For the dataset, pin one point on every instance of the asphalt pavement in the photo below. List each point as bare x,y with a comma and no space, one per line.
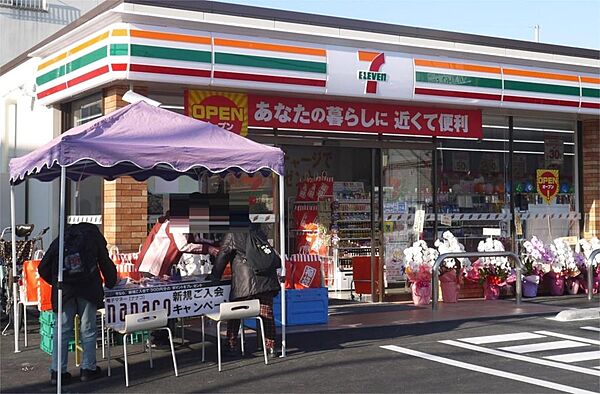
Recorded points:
514,354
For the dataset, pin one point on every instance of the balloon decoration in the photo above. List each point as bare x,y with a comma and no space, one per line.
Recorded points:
564,187
529,188
479,188
499,188
519,188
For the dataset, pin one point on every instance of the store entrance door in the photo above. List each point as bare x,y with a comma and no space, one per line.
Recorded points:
406,177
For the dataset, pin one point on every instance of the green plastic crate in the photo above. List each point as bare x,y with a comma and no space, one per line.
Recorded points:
47,330
47,317
47,344
138,337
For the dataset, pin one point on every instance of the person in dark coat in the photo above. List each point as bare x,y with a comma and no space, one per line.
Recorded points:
83,298
246,285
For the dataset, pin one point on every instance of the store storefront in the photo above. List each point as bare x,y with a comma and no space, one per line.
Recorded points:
385,143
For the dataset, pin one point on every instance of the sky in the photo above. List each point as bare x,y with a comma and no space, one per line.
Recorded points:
574,23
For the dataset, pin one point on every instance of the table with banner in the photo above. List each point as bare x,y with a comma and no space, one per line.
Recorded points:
191,296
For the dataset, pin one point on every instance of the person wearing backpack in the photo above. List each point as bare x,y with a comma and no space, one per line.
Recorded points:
254,265
85,258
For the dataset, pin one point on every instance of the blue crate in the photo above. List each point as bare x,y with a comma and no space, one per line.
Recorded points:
307,306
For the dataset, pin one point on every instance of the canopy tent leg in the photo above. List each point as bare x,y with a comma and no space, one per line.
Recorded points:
61,242
15,285
283,256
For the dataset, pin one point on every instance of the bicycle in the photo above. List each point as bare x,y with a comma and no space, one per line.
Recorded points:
25,251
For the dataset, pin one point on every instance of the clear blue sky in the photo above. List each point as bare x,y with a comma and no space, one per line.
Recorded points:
565,22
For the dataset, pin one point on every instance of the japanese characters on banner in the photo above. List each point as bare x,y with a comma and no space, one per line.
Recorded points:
547,184
300,113
180,300
224,109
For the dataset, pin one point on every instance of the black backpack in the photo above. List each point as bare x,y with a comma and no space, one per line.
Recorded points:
79,261
261,256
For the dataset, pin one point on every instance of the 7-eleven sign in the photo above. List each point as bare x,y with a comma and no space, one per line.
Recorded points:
373,75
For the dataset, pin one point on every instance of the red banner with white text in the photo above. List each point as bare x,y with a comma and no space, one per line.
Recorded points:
300,113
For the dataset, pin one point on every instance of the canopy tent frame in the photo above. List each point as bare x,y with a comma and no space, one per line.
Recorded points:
71,168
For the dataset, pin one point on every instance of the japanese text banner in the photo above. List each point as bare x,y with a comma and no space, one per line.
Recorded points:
279,112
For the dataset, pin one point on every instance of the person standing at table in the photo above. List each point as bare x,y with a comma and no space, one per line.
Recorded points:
85,257
247,283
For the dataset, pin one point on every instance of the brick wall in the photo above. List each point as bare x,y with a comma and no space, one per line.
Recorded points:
591,177
125,200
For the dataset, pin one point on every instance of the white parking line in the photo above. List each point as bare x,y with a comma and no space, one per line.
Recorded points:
519,336
575,357
532,360
486,370
590,328
543,346
571,337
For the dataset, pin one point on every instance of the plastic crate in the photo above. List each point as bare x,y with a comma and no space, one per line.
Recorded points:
47,330
307,306
46,344
138,337
47,317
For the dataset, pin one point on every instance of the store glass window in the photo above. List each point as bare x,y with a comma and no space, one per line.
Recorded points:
473,176
86,193
545,146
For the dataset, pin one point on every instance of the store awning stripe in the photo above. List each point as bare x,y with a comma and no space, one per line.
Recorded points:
590,80
463,80
74,50
270,62
144,68
156,35
450,93
585,104
74,65
75,81
457,66
157,52
119,49
270,47
589,92
539,100
539,74
269,78
541,88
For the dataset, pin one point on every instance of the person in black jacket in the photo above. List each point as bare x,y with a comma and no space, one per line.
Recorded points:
245,285
83,298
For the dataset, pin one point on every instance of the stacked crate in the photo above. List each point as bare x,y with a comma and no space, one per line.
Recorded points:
47,333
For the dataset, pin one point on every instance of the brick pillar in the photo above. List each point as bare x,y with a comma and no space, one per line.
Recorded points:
125,213
591,177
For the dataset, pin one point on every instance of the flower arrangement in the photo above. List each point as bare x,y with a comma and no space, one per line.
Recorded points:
536,257
564,260
493,270
449,244
419,261
587,248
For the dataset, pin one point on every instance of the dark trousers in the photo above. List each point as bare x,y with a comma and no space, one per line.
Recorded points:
266,313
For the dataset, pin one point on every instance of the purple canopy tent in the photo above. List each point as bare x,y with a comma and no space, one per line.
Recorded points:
141,141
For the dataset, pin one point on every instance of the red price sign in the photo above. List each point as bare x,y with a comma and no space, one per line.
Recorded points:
547,184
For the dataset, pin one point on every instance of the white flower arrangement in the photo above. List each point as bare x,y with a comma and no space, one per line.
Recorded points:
589,246
419,261
449,244
564,259
493,245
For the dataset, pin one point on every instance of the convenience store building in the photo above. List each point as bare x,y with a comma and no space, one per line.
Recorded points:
451,128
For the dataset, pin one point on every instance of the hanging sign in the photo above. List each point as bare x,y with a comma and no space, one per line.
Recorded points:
460,162
547,184
553,151
358,117
224,109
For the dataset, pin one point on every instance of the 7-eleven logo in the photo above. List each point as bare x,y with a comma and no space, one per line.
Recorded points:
373,75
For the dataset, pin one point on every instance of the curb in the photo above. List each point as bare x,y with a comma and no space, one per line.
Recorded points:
578,314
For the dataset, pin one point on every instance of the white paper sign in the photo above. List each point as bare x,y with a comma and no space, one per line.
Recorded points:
419,221
553,151
446,220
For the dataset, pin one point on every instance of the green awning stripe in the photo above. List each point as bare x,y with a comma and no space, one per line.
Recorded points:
74,65
270,62
459,80
188,55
